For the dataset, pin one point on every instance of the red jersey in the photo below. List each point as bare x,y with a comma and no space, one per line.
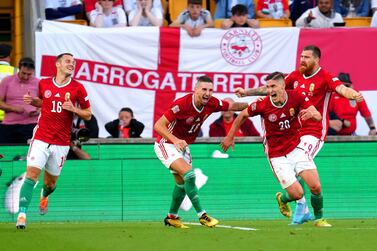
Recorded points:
280,124
318,87
185,119
54,123
348,109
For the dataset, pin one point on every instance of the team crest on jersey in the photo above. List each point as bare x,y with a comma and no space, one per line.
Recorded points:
292,111
189,120
241,46
295,84
47,94
175,109
353,103
311,87
272,117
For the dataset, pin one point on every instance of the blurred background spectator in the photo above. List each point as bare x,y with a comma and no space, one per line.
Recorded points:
298,7
273,9
145,14
5,68
125,126
20,118
106,15
239,18
224,8
130,5
374,20
343,112
90,5
321,16
352,8
62,9
194,19
222,125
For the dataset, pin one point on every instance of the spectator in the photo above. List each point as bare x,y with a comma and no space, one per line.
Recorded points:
298,7
82,131
373,6
62,10
5,68
239,18
126,126
130,5
345,111
194,19
90,5
105,15
352,8
145,14
374,20
321,16
222,125
20,118
224,8
275,9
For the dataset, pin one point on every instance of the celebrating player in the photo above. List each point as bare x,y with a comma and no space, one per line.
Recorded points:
51,140
178,128
317,84
280,111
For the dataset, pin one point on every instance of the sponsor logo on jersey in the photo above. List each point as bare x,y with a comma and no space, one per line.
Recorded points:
302,86
175,109
47,94
283,115
241,46
57,95
292,112
272,117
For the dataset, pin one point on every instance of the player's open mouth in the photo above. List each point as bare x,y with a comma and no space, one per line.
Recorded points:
274,95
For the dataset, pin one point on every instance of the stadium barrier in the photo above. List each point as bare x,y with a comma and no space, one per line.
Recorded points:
126,182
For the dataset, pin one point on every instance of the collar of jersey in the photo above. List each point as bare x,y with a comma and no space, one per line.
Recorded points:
306,77
60,86
193,104
280,106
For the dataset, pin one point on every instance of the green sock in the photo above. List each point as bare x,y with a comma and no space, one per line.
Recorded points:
192,191
178,196
26,194
317,204
46,191
285,197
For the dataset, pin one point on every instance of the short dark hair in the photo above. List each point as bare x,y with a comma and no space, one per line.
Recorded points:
345,77
5,50
27,63
205,78
315,49
63,54
127,109
195,2
276,75
239,9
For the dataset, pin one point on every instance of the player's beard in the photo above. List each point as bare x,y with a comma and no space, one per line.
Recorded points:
306,69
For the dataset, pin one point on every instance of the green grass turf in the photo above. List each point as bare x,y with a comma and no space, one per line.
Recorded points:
271,235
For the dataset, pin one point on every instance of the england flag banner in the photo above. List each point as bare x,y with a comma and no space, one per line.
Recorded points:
146,68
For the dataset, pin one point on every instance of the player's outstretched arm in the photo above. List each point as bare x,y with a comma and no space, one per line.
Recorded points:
229,139
237,106
349,93
161,127
260,91
310,113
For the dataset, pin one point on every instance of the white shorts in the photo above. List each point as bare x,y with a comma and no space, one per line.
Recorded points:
311,145
287,167
167,154
51,157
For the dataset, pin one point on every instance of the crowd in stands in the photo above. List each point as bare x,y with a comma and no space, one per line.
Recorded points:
194,15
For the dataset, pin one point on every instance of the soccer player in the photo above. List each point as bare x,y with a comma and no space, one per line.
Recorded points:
280,111
50,144
179,127
317,84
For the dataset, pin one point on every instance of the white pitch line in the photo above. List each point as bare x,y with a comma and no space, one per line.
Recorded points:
224,226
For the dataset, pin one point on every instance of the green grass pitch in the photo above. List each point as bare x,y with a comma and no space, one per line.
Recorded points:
139,236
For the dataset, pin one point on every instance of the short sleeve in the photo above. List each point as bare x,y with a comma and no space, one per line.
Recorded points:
254,108
332,82
83,98
289,81
174,110
220,105
3,87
